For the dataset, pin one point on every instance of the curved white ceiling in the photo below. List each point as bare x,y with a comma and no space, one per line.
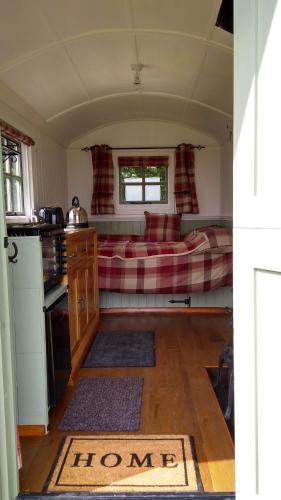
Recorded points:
71,62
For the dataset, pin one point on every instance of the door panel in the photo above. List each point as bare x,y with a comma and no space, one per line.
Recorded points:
257,291
257,86
257,246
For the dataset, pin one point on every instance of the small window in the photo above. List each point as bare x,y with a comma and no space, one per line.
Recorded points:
143,184
13,176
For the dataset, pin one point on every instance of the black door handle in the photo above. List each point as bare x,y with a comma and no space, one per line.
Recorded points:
12,258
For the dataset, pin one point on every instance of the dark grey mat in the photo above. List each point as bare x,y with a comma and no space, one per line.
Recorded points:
106,404
121,349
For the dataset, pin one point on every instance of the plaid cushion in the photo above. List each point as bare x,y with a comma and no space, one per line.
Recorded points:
217,236
162,227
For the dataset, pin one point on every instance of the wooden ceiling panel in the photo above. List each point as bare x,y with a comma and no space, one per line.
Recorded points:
96,114
188,16
47,83
162,108
23,29
222,37
105,67
80,121
208,120
171,63
215,85
72,18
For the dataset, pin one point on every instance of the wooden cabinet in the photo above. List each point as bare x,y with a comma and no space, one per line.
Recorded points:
83,296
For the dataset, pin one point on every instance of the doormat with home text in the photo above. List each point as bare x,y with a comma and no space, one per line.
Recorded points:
125,464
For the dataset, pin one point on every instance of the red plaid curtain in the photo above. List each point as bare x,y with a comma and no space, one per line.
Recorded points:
14,133
140,161
103,180
185,191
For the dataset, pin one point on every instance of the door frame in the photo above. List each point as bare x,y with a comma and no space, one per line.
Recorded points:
8,448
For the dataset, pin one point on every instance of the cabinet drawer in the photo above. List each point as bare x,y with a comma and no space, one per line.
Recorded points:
72,254
91,246
82,248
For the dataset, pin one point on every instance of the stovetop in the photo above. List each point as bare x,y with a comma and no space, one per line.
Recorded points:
32,229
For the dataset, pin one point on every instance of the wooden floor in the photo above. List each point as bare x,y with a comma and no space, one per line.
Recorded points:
177,399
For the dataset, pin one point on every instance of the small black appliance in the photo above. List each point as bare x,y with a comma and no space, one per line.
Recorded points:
51,215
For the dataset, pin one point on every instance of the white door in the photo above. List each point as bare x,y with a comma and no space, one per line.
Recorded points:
257,247
8,456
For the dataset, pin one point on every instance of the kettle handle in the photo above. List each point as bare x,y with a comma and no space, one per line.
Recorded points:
75,201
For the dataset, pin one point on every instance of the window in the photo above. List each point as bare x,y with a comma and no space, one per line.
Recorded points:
13,176
143,180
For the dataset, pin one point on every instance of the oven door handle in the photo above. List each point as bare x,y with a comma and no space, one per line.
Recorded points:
12,258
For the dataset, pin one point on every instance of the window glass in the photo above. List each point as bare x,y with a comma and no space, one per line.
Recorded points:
146,184
13,177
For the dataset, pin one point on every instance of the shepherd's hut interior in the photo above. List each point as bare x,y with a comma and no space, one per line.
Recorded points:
116,138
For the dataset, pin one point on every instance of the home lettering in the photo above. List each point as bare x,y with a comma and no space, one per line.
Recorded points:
137,462
87,461
114,460
168,460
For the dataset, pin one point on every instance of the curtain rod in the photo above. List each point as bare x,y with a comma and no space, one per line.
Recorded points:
87,148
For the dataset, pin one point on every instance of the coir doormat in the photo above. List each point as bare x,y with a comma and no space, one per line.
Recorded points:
126,464
122,349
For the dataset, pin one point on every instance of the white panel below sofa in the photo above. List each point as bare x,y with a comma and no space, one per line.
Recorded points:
222,297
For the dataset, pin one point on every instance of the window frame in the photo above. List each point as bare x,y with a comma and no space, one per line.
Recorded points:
27,184
135,211
17,147
143,185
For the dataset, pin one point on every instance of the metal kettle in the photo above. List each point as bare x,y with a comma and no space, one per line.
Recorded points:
76,216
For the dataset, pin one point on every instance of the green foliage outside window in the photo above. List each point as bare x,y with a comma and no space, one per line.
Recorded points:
147,184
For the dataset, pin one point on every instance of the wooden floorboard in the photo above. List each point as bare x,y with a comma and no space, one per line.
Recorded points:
177,399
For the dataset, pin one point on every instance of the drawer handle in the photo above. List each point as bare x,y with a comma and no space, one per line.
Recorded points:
73,254
81,303
84,250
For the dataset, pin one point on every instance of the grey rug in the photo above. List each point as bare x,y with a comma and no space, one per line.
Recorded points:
104,404
122,349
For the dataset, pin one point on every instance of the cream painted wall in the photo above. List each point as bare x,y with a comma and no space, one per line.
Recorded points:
48,158
148,133
227,179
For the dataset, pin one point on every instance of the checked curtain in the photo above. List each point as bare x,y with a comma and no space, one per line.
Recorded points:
185,190
14,133
103,180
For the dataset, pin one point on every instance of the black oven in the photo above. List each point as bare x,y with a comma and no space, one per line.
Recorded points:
51,236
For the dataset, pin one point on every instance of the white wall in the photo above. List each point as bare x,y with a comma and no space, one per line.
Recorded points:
147,133
48,158
227,180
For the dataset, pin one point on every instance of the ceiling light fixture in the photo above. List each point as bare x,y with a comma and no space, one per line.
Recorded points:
137,69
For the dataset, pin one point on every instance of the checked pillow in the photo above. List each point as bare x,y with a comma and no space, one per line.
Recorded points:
162,227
